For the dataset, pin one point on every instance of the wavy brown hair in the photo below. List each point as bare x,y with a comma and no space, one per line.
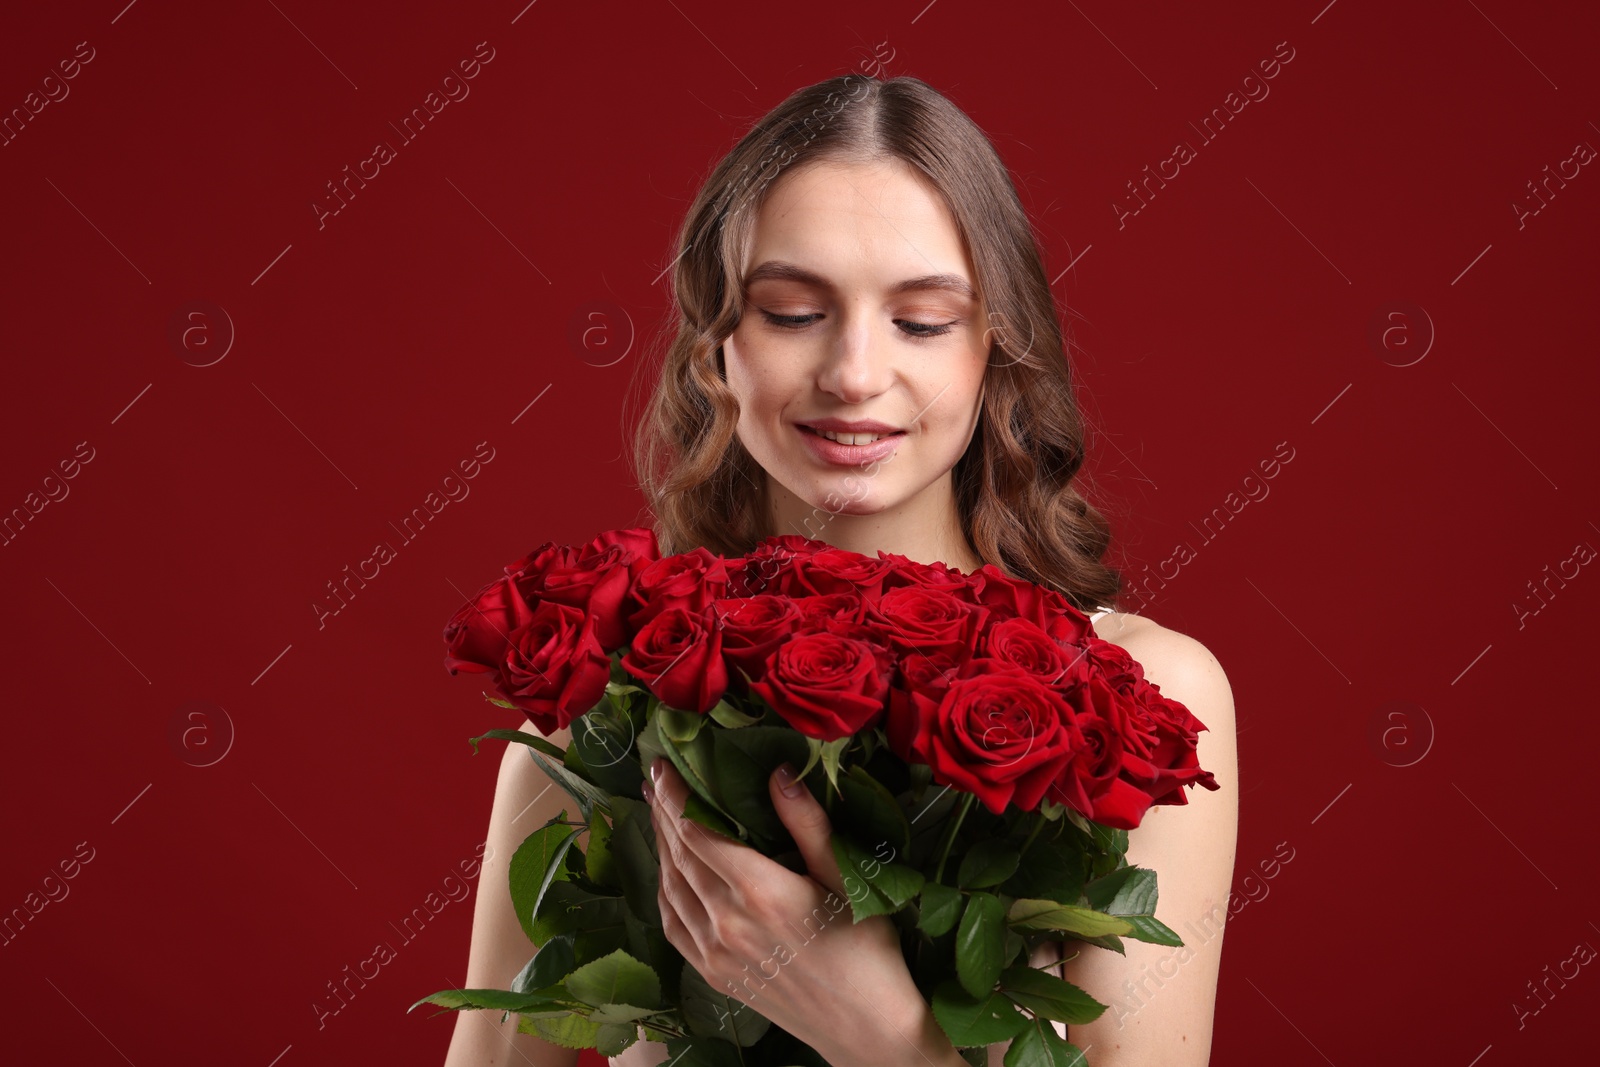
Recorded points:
1014,486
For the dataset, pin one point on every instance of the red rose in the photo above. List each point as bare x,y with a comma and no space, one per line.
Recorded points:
533,566
904,571
596,582
1091,784
999,733
769,567
477,634
1162,738
752,628
930,675
825,685
837,570
554,668
1012,597
678,657
828,612
638,543
689,580
1069,628
1122,671
922,619
1142,752
1024,644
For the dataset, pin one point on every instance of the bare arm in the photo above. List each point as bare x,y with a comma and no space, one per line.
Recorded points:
1161,1000
524,799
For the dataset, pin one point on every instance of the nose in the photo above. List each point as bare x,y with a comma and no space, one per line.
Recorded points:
855,367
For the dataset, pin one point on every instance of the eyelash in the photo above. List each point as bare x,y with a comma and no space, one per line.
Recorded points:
928,331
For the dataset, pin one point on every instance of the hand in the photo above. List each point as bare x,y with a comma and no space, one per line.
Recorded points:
783,942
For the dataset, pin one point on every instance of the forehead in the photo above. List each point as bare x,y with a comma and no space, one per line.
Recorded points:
858,221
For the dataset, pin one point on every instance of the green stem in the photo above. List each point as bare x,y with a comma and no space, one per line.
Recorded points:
1037,826
950,834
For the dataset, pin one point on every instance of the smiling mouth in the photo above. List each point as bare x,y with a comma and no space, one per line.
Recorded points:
851,438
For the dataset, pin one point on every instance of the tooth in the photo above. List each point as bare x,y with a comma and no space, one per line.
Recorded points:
852,438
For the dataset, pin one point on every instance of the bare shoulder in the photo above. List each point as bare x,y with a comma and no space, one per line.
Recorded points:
1177,664
1192,847
524,799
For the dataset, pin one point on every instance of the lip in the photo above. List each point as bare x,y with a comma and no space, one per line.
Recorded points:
848,455
851,426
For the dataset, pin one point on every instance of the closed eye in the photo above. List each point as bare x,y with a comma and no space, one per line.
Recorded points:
913,329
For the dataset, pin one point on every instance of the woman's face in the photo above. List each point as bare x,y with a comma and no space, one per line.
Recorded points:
860,305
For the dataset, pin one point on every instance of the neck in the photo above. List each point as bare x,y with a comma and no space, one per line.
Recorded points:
926,528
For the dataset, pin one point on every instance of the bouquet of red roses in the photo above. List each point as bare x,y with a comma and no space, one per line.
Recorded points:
980,752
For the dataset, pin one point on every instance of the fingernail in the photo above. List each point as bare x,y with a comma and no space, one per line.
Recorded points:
786,780
649,794
655,769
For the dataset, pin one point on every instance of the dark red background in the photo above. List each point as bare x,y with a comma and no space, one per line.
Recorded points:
1233,313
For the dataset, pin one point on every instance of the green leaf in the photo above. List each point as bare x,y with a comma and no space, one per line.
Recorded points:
1050,915
731,717
604,739
535,865
832,753
596,922
500,999
696,762
568,1031
1113,844
1110,942
702,1052
1051,869
768,745
710,1012
1128,891
742,785
613,1038
969,1020
980,943
679,726
633,852
1044,994
744,761
616,979
598,863
865,900
549,966
814,758
873,813
620,1013
1040,1046
895,882
531,740
941,907
989,862
1151,929
578,788
1131,894
697,810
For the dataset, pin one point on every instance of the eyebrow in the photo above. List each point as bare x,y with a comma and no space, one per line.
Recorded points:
774,269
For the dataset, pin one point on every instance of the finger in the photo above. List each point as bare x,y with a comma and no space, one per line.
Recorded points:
675,929
687,891
715,857
808,823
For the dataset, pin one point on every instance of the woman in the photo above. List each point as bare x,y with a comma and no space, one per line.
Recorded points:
869,355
